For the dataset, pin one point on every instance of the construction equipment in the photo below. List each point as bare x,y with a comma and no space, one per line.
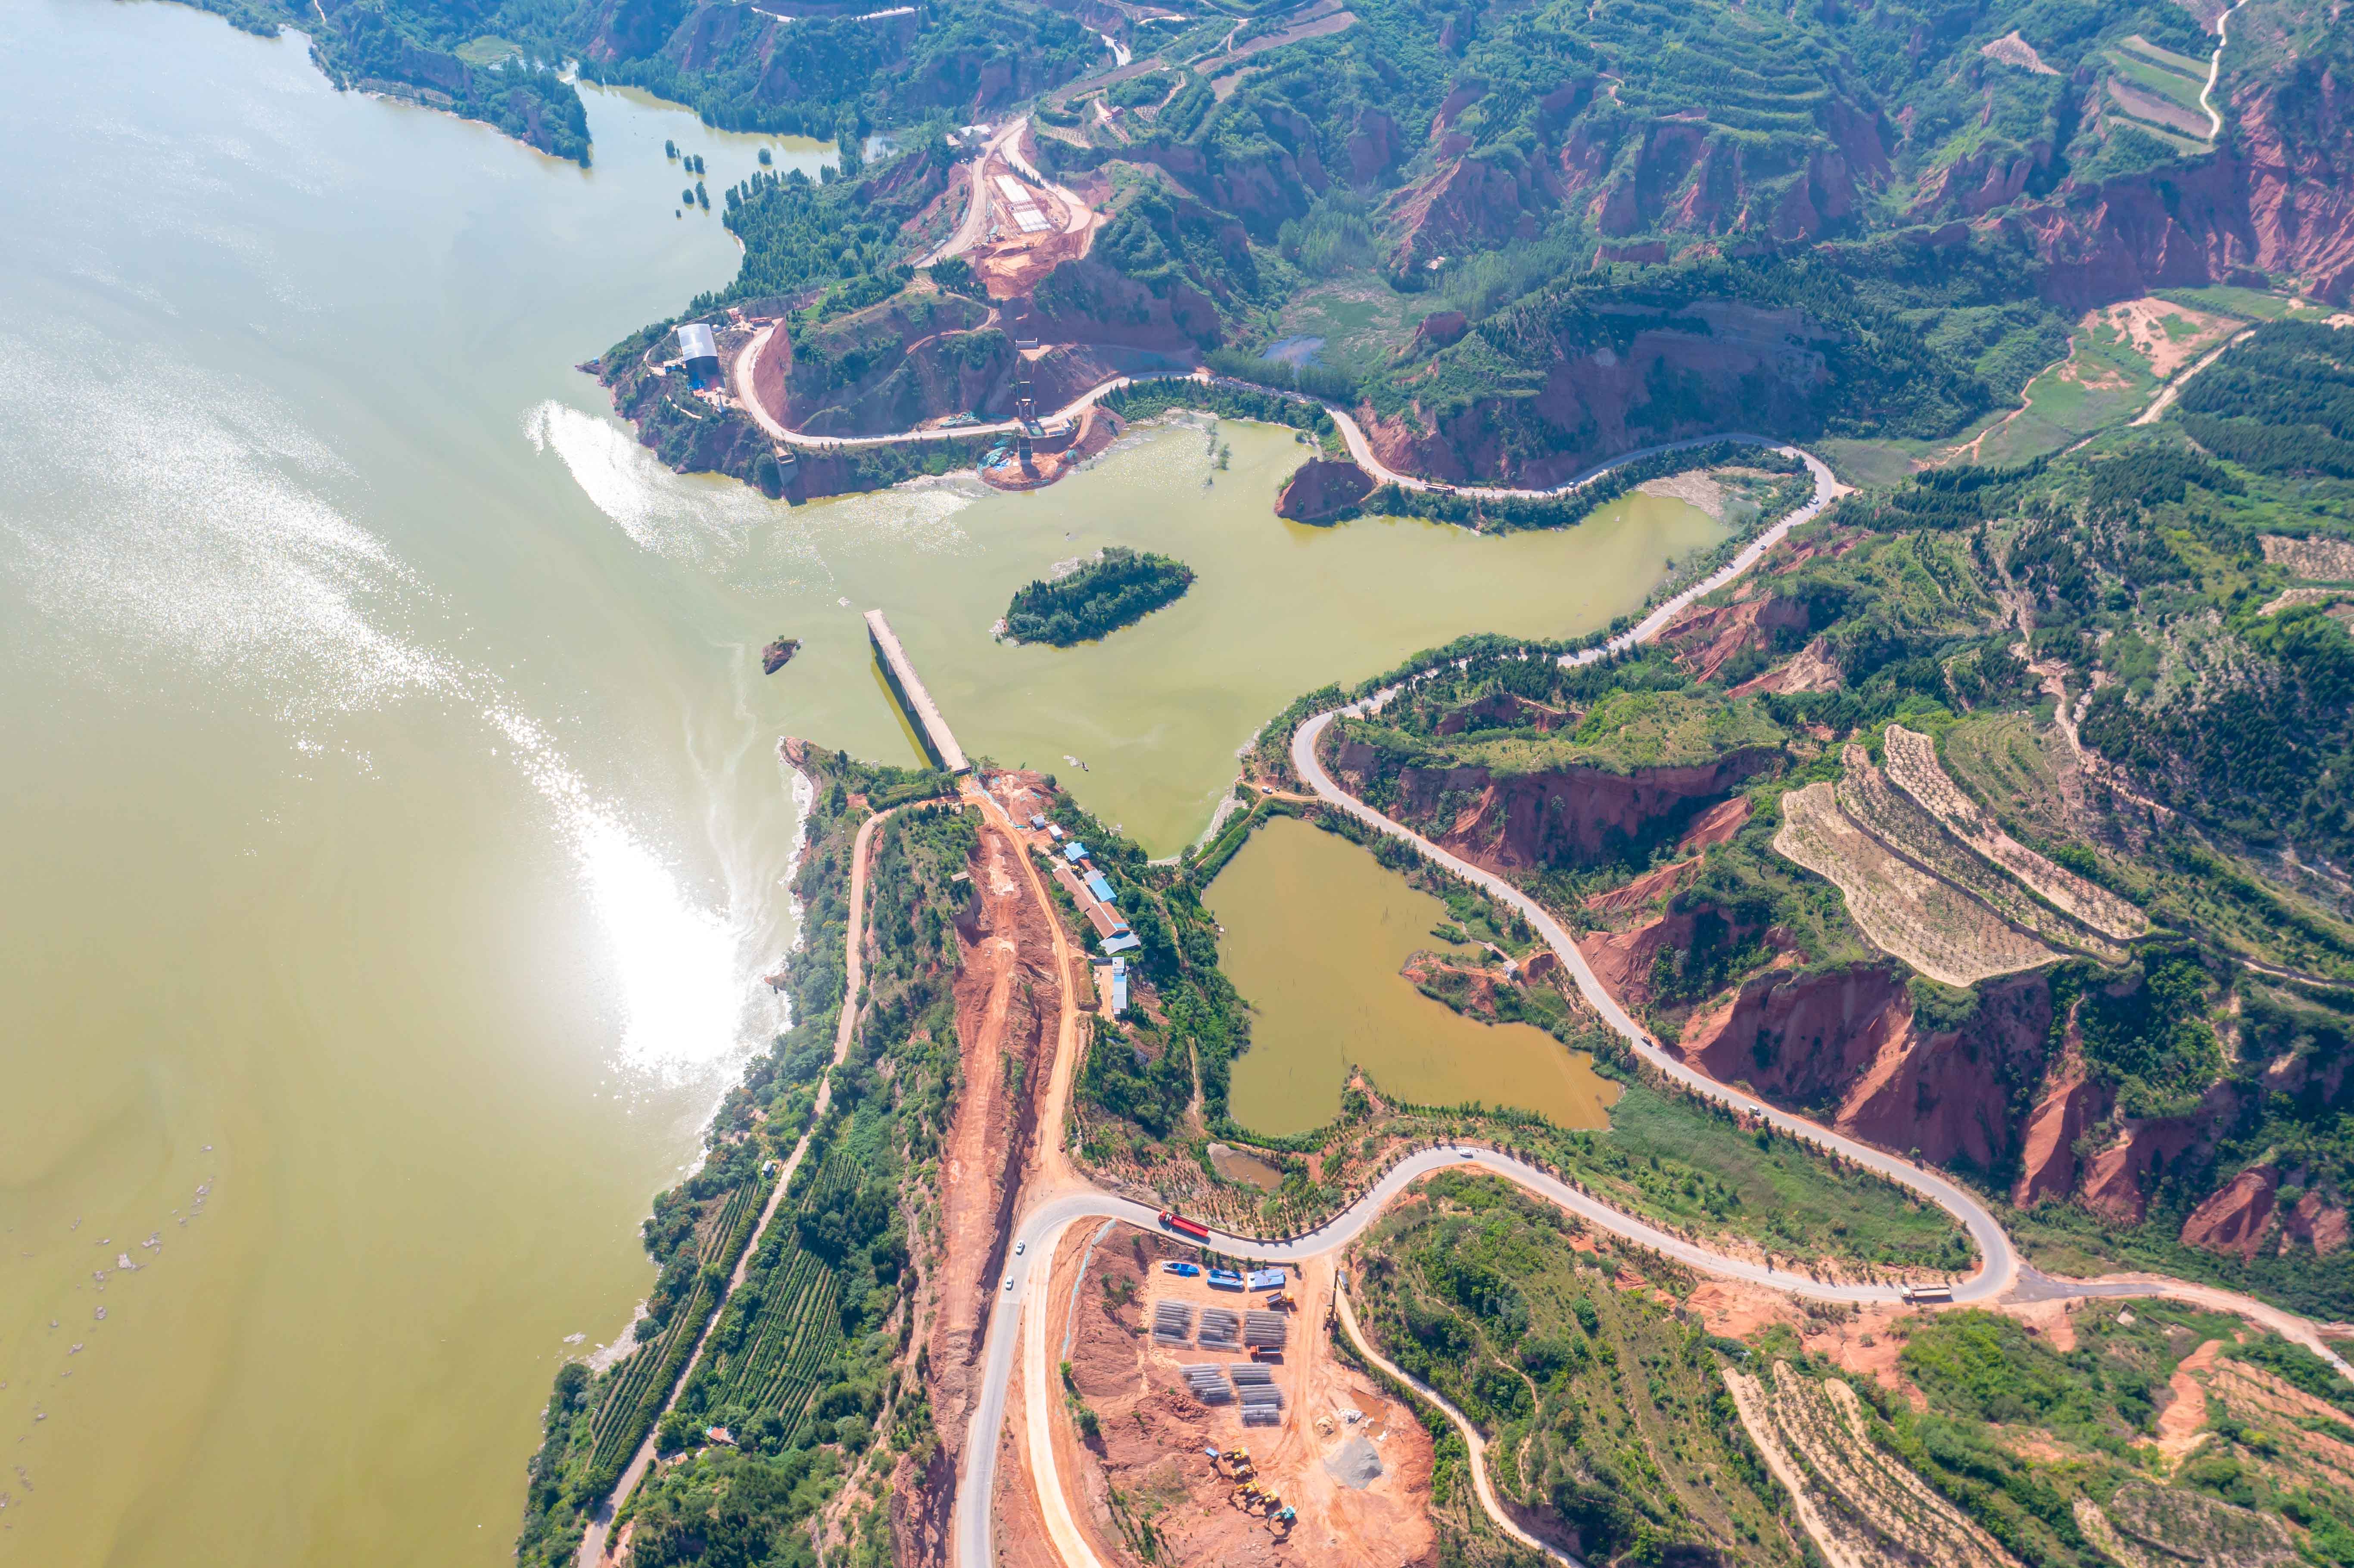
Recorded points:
1266,1353
1283,1519
1281,1302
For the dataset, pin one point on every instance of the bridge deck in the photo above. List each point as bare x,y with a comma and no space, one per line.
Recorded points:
929,725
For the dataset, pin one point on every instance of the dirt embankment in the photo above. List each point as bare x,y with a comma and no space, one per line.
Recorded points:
1570,815
1707,638
1008,1001
1749,369
1145,1470
2276,199
1323,491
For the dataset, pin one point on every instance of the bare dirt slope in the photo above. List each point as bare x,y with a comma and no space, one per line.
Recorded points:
1008,1002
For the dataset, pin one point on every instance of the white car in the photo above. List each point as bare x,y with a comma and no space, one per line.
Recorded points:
1008,1282
1020,1247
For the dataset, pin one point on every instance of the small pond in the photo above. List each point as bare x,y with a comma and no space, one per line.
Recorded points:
1315,931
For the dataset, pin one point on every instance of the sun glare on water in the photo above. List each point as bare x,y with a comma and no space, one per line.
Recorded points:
676,965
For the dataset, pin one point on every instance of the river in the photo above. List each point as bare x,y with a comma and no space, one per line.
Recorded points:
392,824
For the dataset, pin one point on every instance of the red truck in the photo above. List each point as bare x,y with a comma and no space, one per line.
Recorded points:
1183,1226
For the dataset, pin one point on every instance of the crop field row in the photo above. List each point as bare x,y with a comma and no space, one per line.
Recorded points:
641,1387
1901,825
1936,929
1861,1504
798,1328
638,1394
776,1360
1913,767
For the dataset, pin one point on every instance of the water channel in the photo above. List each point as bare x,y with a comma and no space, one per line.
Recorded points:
1315,931
392,823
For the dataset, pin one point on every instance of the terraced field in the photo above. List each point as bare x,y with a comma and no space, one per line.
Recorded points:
1930,924
1913,767
636,1395
1901,824
786,1323
1861,1505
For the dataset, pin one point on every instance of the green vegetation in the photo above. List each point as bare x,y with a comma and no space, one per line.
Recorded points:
1604,1413
2094,1414
801,1366
2280,402
823,77
1119,587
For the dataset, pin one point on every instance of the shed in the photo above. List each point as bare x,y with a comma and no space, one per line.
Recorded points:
700,349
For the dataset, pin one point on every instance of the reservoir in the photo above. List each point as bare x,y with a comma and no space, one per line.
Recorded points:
392,823
1315,933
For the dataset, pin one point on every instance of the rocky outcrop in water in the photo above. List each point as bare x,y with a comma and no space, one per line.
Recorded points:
1321,492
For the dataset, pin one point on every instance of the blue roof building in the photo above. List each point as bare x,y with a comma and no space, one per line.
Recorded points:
1074,852
1118,987
1126,942
1100,885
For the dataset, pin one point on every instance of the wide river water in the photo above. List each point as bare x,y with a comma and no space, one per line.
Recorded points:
391,822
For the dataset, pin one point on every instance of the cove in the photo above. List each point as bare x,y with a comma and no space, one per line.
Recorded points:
1315,932
1157,710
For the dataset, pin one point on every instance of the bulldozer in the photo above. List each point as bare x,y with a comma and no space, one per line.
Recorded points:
1234,1464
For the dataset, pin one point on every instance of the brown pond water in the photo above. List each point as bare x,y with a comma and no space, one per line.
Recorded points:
1315,932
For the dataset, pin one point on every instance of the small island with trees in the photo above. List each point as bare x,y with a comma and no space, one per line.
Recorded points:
1119,586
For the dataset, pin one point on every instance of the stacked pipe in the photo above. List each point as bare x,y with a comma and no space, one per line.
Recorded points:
1251,1375
1209,1385
1172,1323
1262,1329
1220,1327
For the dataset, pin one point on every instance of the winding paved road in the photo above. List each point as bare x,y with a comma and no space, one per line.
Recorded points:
1061,1200
2001,1270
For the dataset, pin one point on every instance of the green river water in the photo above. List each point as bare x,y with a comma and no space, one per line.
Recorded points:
392,828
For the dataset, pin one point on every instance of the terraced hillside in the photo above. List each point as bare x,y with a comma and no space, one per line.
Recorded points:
2035,881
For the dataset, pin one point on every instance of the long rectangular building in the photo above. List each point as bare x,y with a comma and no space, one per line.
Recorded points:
930,728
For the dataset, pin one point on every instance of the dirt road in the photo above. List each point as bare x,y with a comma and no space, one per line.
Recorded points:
592,1543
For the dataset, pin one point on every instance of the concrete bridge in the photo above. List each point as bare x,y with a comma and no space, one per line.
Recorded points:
908,687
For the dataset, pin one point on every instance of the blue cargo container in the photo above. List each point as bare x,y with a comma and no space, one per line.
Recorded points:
1225,1280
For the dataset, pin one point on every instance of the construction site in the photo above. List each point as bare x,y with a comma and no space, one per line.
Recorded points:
1014,226
1206,1416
